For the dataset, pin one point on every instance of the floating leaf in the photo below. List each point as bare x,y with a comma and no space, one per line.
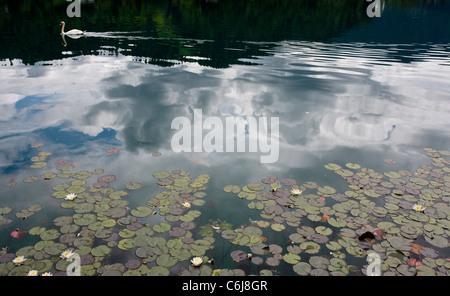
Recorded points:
232,188
353,166
238,255
323,230
256,186
38,165
310,247
30,179
393,175
100,251
271,261
277,227
161,227
141,212
302,268
126,244
161,174
332,166
291,258
133,185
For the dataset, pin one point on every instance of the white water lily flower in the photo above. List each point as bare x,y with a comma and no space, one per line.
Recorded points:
296,192
70,196
47,274
32,273
19,260
418,208
66,254
186,204
197,261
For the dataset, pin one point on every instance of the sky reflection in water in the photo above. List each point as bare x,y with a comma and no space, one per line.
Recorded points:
338,101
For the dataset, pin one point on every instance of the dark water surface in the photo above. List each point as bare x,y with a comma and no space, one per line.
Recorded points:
346,88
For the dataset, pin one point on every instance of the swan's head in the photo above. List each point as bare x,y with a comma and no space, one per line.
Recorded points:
61,23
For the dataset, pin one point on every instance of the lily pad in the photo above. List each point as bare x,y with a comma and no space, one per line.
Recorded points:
161,174
100,251
291,258
310,247
133,185
141,212
166,260
238,255
323,230
277,227
302,268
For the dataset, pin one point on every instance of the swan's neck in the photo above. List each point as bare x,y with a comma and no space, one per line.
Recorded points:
62,28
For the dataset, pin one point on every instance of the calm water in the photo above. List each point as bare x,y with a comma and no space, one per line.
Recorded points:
345,87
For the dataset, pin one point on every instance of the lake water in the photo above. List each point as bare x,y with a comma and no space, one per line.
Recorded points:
345,88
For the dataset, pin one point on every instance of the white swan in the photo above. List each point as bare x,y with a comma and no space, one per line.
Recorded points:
71,32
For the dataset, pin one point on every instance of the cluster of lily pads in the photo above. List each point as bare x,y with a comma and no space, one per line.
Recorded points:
403,217
303,228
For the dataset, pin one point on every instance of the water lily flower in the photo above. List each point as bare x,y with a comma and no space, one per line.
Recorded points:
418,208
186,204
296,191
19,260
18,234
66,254
32,273
47,274
197,261
70,196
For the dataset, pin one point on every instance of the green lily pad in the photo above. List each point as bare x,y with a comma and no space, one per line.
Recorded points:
161,227
160,174
100,251
278,227
323,230
84,219
326,190
353,166
319,262
50,234
55,248
109,222
84,207
393,175
229,234
116,212
310,247
36,230
291,258
337,222
133,185
72,228
38,165
232,188
141,212
126,233
126,244
158,271
302,268
256,186
166,260
332,166
438,241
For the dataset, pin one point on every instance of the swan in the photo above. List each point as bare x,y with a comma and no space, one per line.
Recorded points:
71,32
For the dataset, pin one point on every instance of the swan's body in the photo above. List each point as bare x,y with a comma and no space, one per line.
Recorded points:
71,32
